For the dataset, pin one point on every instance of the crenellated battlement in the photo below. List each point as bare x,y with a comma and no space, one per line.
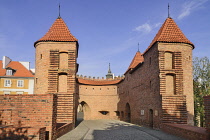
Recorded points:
100,78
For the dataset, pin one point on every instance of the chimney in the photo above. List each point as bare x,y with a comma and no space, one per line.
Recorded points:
6,60
25,64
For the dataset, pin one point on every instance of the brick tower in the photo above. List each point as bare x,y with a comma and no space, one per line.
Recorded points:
175,73
56,67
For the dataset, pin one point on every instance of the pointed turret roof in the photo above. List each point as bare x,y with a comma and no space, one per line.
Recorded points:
171,33
109,71
58,32
109,74
138,58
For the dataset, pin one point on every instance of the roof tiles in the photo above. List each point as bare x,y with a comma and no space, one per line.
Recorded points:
138,58
58,32
169,32
98,82
21,71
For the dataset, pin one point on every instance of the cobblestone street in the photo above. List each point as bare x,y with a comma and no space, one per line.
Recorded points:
114,130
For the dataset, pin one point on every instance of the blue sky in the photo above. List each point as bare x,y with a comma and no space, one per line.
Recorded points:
108,30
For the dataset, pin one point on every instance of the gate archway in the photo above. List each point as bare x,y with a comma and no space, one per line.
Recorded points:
83,111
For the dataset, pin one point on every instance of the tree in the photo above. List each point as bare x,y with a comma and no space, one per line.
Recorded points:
201,87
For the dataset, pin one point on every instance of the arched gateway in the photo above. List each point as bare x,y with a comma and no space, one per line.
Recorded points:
160,78
83,111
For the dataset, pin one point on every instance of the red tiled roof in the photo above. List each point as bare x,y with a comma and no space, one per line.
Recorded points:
98,82
138,58
58,32
169,32
21,71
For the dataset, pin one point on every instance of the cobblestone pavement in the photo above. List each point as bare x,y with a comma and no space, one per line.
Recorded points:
114,130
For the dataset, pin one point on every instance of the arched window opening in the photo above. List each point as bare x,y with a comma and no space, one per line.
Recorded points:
170,84
169,60
62,82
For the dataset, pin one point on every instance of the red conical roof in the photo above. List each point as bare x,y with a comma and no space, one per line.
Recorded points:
138,58
58,32
170,32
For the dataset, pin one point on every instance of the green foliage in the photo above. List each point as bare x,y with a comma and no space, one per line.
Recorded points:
201,86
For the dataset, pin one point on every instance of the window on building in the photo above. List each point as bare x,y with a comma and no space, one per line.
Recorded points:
6,92
9,72
104,112
150,84
19,92
20,83
142,112
150,60
7,83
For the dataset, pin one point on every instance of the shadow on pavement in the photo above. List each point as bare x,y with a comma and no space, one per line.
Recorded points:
119,131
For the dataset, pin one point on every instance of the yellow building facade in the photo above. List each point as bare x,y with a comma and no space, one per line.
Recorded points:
15,77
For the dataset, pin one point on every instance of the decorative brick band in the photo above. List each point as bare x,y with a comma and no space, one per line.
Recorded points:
174,109
177,71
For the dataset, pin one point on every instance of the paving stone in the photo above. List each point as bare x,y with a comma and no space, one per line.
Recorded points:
114,130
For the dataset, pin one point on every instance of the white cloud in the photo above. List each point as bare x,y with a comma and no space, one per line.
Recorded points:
157,25
144,28
190,6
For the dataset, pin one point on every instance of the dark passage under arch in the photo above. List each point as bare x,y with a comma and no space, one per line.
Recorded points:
83,112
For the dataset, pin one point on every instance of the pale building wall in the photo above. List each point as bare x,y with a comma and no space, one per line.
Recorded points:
27,88
99,98
31,86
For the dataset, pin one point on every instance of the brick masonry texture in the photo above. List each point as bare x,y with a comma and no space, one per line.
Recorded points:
29,111
64,129
141,97
144,88
60,77
207,112
156,89
182,71
18,132
95,99
186,131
